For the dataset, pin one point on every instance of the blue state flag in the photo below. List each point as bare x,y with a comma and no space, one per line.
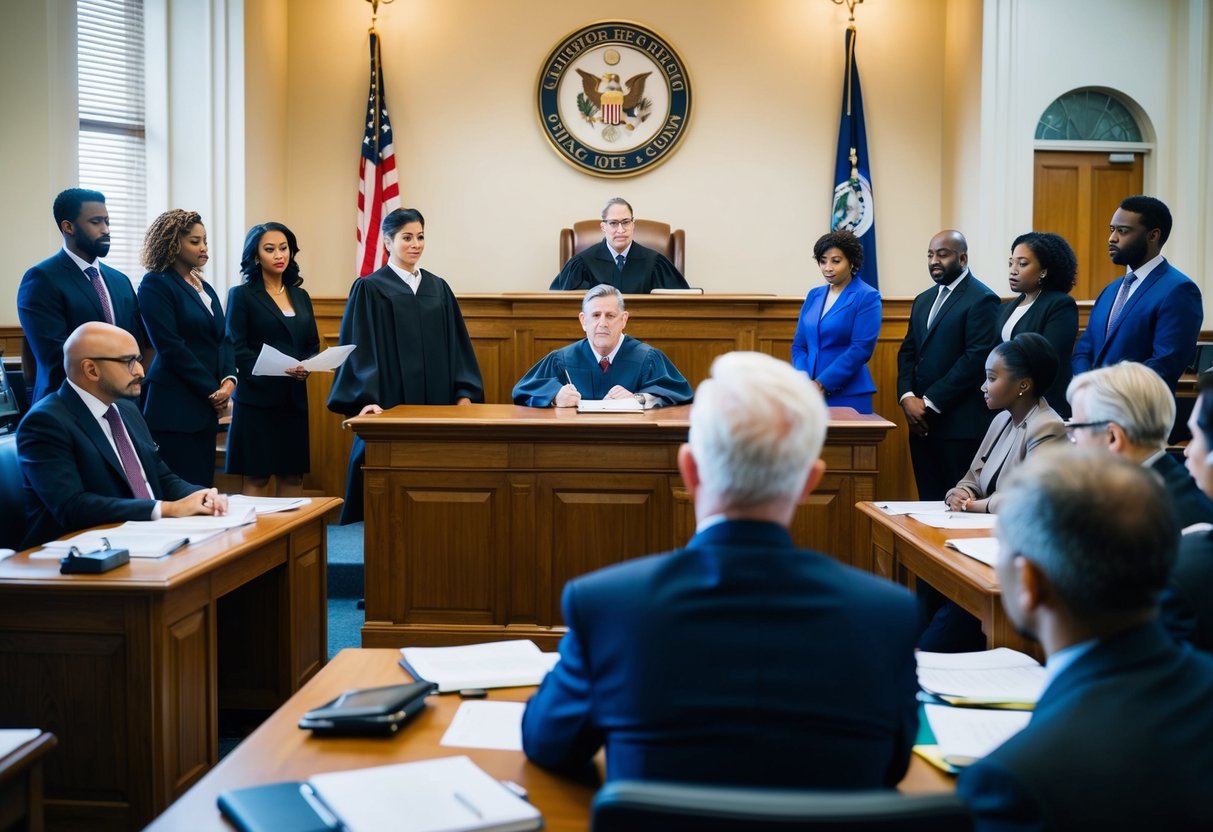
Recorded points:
853,209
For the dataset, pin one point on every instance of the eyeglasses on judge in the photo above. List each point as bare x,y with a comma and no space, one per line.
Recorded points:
617,224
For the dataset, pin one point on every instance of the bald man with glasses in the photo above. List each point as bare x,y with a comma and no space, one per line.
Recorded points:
618,260
86,454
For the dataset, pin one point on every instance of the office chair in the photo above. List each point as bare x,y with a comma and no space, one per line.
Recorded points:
636,806
12,496
649,233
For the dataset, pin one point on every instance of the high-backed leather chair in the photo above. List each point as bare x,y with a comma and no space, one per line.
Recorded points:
649,233
12,496
635,806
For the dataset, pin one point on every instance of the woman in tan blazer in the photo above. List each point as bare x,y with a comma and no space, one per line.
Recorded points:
1017,374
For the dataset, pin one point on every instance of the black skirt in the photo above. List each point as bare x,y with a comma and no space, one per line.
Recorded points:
265,441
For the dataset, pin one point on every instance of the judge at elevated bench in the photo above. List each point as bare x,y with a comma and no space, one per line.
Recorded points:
606,365
618,261
1122,737
740,658
86,454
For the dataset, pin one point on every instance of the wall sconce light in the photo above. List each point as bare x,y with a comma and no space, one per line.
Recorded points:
850,4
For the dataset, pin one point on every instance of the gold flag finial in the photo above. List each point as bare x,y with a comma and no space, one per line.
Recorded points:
851,4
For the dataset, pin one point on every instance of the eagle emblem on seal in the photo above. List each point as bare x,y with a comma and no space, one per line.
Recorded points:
604,100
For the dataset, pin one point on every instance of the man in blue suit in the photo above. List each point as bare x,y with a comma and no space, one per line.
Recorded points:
1152,314
738,659
86,454
73,287
1122,737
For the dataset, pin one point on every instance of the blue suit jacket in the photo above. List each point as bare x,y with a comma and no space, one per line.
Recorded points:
54,298
739,659
834,350
1121,739
1159,326
193,355
73,478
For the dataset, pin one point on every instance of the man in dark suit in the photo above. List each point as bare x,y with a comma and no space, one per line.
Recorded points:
941,367
1152,314
86,454
1128,410
617,260
740,658
73,287
1122,737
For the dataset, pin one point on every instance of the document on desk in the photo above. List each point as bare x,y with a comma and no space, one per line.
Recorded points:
965,735
13,738
140,542
272,362
443,795
912,506
984,549
628,405
986,677
241,503
486,724
498,664
956,520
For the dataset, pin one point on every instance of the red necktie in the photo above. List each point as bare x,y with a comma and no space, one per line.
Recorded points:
605,364
126,453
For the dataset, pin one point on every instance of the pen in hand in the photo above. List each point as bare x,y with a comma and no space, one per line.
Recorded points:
570,379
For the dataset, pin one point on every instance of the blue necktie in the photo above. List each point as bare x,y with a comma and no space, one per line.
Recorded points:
1121,297
619,261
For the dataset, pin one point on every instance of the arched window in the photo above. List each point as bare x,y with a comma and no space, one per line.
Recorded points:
1088,115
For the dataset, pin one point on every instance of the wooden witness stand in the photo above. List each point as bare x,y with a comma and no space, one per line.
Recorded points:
477,516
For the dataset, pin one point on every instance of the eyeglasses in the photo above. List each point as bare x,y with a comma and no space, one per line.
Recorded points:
614,225
129,360
1073,426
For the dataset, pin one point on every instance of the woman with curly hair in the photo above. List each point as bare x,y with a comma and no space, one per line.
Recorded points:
838,325
269,435
193,374
1042,272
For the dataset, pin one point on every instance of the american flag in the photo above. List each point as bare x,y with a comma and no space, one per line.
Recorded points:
378,190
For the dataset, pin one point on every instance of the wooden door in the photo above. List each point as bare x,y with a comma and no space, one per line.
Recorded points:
1075,195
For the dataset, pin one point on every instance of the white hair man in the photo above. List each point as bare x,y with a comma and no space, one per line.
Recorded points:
722,662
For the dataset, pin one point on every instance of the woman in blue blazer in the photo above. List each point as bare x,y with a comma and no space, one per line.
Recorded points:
193,374
1041,273
838,325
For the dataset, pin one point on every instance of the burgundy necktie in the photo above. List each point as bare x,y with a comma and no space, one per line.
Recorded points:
94,277
605,364
126,453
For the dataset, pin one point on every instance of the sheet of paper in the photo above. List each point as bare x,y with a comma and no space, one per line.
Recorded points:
486,724
263,505
629,405
984,549
242,516
968,734
13,738
999,675
330,359
956,520
911,506
273,362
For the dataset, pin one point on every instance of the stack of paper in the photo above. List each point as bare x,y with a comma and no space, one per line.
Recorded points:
242,504
628,405
912,506
499,664
990,677
965,735
956,520
272,362
148,538
450,793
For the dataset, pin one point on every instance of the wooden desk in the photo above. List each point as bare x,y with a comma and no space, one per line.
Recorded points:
21,785
477,516
904,550
279,751
130,668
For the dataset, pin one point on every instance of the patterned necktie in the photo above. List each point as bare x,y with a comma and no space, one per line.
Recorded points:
939,299
605,364
94,277
126,453
1121,297
619,261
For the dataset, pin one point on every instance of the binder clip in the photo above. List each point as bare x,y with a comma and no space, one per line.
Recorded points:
93,563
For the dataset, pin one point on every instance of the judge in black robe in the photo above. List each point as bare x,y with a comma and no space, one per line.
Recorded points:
413,348
643,271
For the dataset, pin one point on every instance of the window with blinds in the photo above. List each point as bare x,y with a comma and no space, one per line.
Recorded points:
113,152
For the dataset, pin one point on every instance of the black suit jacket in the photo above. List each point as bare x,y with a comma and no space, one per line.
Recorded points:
253,320
643,271
54,298
1191,505
1120,740
946,363
73,478
193,355
1055,316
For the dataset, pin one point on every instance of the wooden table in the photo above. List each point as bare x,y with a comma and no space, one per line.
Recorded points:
130,669
477,516
904,550
279,751
21,785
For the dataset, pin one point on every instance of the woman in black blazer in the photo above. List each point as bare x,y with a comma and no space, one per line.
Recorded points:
1042,269
269,435
193,374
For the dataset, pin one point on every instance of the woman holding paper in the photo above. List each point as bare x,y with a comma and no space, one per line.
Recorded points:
269,435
